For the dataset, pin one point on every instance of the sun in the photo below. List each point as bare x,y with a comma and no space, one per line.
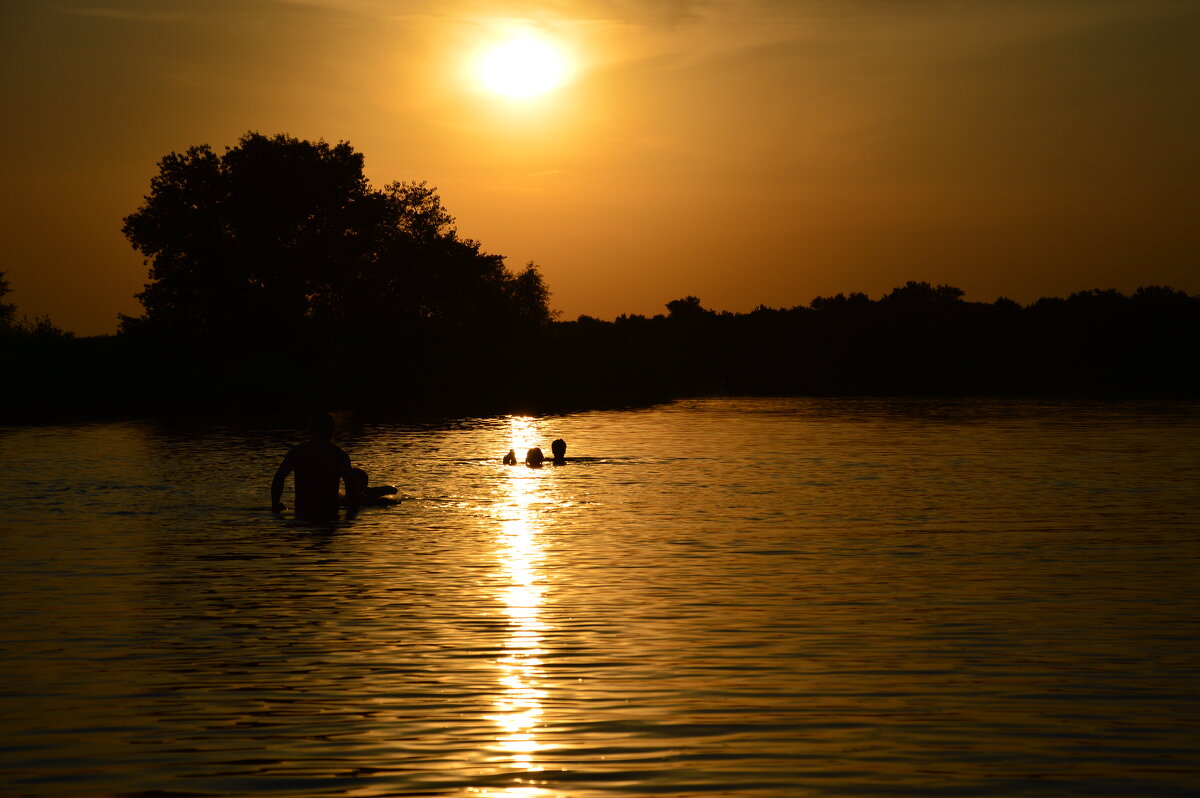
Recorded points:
523,66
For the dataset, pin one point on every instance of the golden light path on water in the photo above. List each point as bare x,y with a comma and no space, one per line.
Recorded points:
518,710
875,598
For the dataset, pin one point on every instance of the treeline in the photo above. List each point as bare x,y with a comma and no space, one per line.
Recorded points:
918,339
31,351
279,279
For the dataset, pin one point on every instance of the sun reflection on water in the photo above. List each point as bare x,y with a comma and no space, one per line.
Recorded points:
518,708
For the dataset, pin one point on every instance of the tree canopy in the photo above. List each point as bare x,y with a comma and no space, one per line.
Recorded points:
919,338
281,238
8,310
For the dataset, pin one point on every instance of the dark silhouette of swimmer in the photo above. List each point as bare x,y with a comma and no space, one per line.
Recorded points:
559,449
534,458
510,458
318,466
359,494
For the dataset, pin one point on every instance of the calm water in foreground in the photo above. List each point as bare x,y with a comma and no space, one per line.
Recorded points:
729,597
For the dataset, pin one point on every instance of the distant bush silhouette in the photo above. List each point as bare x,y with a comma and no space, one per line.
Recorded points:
39,327
916,339
8,310
687,308
40,365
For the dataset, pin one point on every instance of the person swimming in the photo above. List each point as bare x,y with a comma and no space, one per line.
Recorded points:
318,466
510,458
360,494
559,449
534,458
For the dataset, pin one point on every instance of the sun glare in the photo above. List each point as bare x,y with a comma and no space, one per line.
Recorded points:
523,66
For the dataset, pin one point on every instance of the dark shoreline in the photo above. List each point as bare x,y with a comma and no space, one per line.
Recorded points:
432,410
918,341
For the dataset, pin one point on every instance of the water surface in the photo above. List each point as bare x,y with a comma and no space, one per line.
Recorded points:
751,597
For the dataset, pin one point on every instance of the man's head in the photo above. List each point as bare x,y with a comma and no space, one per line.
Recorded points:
559,449
321,426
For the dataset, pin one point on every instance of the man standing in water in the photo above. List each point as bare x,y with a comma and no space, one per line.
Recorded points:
318,465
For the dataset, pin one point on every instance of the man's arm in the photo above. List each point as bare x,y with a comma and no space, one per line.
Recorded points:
281,473
351,496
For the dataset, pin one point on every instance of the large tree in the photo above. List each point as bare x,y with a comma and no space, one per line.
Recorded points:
285,238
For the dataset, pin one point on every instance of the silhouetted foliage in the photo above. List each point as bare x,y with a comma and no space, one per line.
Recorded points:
916,339
11,328
279,277
40,365
282,236
8,310
687,308
278,254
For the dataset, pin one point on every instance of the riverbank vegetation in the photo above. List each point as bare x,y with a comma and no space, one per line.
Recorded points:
917,339
279,279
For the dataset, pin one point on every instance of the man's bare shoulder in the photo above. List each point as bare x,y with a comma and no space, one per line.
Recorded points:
318,449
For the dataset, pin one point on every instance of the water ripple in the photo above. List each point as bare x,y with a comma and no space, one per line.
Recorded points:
722,597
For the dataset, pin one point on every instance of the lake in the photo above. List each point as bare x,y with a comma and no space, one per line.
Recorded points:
725,597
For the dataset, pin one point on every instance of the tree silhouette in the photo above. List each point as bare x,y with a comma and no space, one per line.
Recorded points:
284,239
922,295
8,310
687,308
39,327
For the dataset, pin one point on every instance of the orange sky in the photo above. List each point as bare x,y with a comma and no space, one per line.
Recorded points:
747,152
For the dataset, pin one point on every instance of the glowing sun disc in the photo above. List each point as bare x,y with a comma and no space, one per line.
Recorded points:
524,66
